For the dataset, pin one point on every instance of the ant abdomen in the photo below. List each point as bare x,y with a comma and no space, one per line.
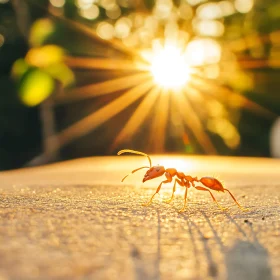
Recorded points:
212,183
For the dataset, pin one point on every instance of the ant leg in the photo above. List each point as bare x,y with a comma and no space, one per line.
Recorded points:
158,189
185,200
204,189
242,208
174,189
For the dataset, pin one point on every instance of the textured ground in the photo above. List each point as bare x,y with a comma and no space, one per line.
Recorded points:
75,220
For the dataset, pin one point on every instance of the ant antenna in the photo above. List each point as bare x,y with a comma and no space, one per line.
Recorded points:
135,152
138,153
134,171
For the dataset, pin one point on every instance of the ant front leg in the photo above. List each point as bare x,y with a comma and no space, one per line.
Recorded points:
169,179
185,201
174,189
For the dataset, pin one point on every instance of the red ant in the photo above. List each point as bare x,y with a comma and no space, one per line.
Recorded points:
182,179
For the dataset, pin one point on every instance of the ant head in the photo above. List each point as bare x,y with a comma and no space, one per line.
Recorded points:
154,172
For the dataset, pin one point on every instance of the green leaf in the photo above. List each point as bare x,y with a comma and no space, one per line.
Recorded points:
61,73
45,56
40,31
35,87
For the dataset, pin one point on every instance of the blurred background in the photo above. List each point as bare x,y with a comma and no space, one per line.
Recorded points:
89,77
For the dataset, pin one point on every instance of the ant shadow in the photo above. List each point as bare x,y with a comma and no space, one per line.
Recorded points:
248,260
192,227
245,260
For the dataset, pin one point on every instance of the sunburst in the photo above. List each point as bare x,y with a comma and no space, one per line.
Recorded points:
186,76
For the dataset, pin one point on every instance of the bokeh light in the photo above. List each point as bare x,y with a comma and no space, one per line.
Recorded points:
122,27
91,12
105,30
209,11
84,4
57,3
113,12
243,6
211,28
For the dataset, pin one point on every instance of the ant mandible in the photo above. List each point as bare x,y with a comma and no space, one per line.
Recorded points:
183,180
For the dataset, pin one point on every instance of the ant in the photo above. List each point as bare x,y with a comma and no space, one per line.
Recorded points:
183,180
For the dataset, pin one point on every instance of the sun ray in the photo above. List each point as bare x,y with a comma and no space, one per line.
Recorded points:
198,101
105,63
102,88
159,123
212,105
193,122
138,117
89,123
237,99
215,116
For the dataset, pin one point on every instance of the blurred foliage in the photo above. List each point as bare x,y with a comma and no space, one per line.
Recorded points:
33,46
36,74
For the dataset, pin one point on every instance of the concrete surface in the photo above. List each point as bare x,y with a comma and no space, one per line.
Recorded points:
75,220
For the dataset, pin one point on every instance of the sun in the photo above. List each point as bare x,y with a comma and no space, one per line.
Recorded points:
169,68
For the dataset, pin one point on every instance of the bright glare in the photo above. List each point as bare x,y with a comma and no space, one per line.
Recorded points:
169,68
180,165
244,6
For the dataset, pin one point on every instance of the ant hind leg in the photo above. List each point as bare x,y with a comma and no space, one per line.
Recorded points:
205,189
242,208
